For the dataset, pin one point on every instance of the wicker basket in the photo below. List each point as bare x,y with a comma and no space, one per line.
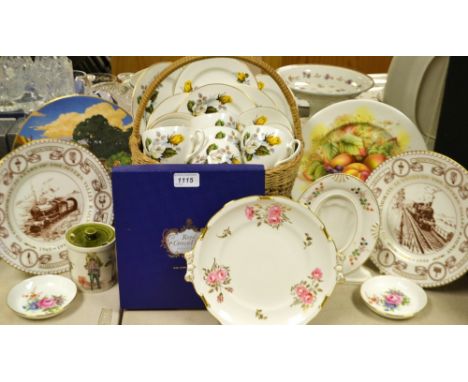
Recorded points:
278,180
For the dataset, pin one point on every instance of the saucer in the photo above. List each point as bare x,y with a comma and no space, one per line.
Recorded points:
350,213
393,297
41,297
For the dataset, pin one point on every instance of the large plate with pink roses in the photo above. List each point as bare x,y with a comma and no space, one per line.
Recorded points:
263,260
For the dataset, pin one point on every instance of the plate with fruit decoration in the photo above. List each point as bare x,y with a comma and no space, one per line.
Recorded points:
264,260
354,137
423,200
349,211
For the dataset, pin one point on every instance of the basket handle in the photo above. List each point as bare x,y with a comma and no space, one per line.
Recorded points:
187,60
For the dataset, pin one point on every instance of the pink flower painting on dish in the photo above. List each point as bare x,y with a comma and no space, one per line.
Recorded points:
273,215
218,280
249,212
391,300
317,274
305,292
46,303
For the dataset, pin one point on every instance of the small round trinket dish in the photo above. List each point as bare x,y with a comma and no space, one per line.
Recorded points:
41,297
91,251
393,297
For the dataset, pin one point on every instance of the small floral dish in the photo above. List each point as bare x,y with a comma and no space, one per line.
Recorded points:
393,297
263,260
41,297
349,210
322,85
214,119
171,119
267,85
169,106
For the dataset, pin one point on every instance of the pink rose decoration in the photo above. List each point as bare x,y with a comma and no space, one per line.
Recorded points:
46,303
221,274
393,299
212,278
317,274
274,215
307,298
249,212
301,290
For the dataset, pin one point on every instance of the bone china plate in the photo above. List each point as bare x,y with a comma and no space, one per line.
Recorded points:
47,186
41,297
263,260
423,200
393,297
350,213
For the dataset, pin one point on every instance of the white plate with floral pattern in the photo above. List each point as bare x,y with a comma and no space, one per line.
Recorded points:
163,91
268,85
258,97
393,297
168,106
46,187
216,98
350,213
423,200
263,260
212,71
264,116
41,297
354,137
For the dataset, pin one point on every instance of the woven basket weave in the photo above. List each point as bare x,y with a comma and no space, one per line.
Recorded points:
278,180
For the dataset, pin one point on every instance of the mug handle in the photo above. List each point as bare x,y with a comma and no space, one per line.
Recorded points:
199,143
294,148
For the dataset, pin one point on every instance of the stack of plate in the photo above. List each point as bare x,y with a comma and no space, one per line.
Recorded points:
194,90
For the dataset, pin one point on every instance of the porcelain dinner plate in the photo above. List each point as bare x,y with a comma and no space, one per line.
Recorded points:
268,85
41,297
257,96
46,187
263,260
215,98
350,213
264,116
423,199
212,71
168,106
393,297
101,126
354,137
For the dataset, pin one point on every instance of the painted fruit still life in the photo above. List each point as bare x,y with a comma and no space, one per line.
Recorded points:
355,148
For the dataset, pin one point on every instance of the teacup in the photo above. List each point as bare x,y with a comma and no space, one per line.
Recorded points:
172,144
214,119
218,151
268,145
91,251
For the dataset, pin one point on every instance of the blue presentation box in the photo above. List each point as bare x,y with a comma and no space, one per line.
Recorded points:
159,212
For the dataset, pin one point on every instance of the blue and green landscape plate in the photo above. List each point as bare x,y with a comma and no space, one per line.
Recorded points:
102,127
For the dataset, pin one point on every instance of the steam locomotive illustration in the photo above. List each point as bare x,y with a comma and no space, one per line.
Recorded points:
43,215
423,213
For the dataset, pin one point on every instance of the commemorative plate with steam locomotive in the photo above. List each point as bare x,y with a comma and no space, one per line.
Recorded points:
47,186
423,199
